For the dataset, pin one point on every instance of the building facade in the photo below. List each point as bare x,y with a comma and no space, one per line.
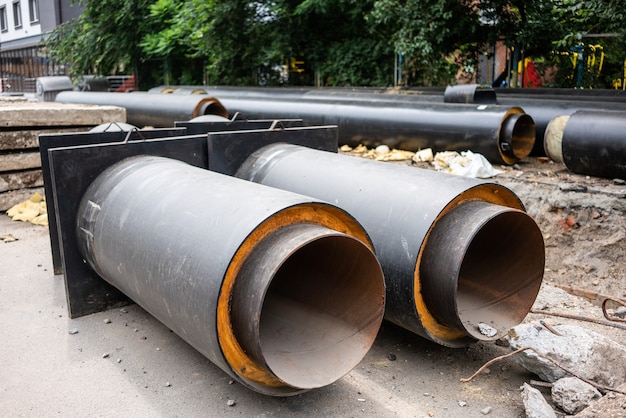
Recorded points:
24,25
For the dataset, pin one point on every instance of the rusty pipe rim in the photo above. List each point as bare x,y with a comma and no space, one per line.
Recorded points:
210,106
295,334
482,270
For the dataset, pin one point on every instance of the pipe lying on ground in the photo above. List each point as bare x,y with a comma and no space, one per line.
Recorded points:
143,109
462,260
544,111
599,95
589,142
277,289
540,104
502,135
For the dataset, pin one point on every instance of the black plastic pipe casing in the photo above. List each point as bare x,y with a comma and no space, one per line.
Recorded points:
462,260
280,290
143,109
589,142
503,135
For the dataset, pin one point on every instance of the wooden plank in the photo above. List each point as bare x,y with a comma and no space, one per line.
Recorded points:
20,180
19,161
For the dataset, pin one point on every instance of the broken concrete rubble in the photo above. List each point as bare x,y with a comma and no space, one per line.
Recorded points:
535,404
573,395
586,353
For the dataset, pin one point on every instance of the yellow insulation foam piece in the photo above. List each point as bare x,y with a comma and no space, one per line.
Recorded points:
32,210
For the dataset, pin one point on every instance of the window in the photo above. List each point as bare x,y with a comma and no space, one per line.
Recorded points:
17,14
33,11
4,25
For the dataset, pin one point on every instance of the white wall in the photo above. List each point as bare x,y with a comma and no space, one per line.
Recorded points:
27,29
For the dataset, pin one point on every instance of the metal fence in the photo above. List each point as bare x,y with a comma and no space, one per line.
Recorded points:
20,68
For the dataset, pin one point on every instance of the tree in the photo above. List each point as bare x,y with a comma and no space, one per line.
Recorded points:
336,42
104,39
432,36
597,29
330,38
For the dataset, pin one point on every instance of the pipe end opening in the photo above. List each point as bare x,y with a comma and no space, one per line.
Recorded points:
321,309
517,137
322,312
501,274
483,268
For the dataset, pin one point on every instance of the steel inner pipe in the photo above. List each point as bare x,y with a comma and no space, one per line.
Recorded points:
589,142
281,291
462,260
503,135
156,110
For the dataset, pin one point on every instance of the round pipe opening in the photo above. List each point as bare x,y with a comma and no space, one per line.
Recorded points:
500,275
307,305
518,136
321,312
483,267
210,106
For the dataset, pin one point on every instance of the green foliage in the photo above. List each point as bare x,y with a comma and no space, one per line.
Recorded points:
599,28
341,42
105,37
429,34
358,62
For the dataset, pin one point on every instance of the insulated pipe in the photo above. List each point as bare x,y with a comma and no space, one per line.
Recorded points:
503,135
462,260
544,111
602,95
279,290
542,108
143,109
589,142
178,90
469,93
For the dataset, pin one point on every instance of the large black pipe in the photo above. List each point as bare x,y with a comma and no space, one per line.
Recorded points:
589,142
143,109
544,111
462,260
537,103
503,135
279,290
601,95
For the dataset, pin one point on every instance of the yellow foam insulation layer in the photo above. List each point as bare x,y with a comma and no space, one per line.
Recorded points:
380,153
32,210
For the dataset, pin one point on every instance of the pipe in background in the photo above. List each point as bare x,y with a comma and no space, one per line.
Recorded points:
503,135
542,105
143,109
589,142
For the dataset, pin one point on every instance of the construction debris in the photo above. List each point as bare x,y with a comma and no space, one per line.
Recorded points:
573,395
591,355
535,404
32,210
466,163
